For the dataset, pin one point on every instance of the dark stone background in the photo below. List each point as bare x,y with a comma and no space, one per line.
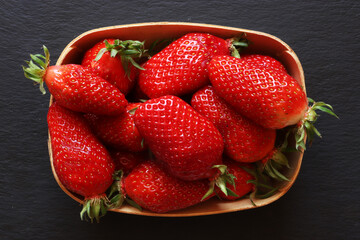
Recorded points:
322,204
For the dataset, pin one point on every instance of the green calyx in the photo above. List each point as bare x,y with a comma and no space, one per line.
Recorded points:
276,160
97,206
127,50
116,195
37,67
268,171
274,165
307,127
262,183
94,208
221,182
238,44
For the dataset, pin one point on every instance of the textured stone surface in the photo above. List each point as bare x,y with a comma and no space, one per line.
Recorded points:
322,204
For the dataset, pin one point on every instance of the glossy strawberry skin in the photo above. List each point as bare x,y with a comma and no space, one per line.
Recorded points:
81,162
181,67
241,187
264,61
78,89
110,68
154,189
186,143
245,141
271,98
119,131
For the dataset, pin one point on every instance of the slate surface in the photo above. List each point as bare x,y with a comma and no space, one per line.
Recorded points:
322,204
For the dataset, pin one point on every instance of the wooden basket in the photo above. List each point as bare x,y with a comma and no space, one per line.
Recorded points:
261,43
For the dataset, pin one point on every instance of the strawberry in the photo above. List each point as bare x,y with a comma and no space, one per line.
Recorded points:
81,162
75,87
181,67
185,142
245,141
270,97
154,189
119,131
113,60
127,161
241,186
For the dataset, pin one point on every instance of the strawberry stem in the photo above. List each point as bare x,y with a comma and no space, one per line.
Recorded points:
307,128
238,44
37,67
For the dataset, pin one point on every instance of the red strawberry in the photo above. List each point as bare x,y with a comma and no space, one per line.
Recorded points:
259,89
127,161
241,186
264,61
181,67
185,142
119,131
245,141
271,98
154,189
75,87
112,60
81,163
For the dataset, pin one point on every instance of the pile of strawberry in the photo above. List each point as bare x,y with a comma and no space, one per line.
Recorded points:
169,130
